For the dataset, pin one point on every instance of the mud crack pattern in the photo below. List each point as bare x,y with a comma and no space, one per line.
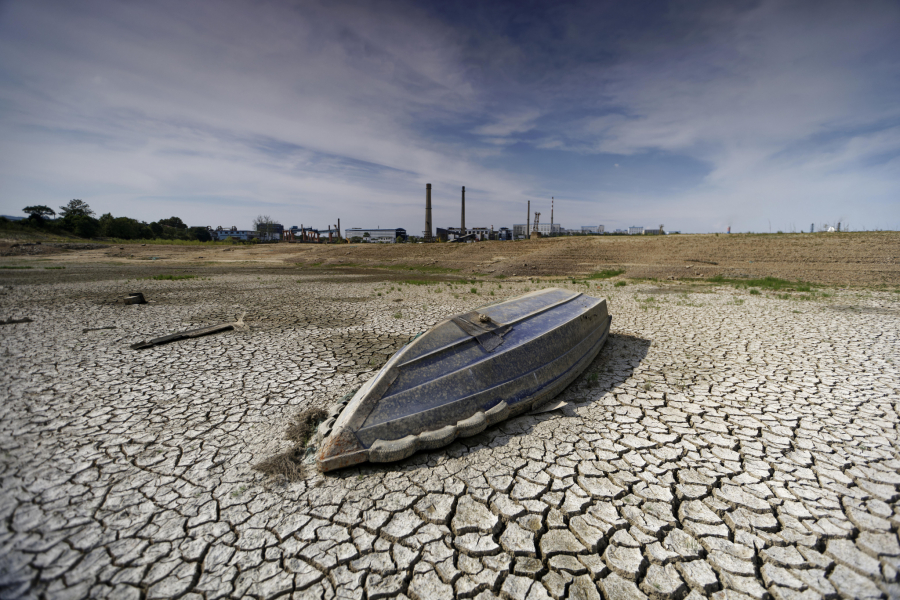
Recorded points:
716,448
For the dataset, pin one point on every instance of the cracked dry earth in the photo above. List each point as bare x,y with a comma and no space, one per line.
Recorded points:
722,445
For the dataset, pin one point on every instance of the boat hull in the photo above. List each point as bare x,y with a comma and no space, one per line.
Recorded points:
467,373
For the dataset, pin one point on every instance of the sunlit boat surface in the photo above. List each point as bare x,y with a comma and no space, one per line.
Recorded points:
466,373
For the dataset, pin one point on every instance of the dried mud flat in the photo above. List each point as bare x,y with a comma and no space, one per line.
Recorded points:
723,444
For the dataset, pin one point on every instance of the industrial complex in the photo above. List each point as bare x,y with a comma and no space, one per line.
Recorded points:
393,235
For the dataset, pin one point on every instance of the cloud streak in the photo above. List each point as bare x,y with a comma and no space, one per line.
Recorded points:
313,111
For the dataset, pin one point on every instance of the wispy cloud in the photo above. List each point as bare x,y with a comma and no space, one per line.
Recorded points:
313,111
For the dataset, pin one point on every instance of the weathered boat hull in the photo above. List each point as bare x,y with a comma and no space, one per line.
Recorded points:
466,373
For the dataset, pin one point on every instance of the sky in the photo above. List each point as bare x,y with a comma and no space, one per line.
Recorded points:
762,116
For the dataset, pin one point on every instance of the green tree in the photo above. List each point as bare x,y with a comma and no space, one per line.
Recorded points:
76,208
156,229
38,212
83,226
173,222
201,234
122,228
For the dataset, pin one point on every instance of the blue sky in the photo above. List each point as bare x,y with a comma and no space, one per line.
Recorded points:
696,115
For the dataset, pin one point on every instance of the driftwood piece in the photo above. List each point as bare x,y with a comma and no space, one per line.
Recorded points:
190,333
14,321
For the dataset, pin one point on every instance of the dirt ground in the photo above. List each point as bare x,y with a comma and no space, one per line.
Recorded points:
858,259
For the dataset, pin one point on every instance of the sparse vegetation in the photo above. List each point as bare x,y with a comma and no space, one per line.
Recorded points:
14,267
300,431
621,284
766,283
172,277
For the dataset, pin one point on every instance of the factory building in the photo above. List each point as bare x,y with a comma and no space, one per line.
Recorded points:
478,233
382,236
635,230
593,229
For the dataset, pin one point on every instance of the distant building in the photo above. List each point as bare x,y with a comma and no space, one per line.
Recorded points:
593,229
520,231
383,236
505,234
635,230
549,229
275,231
244,235
478,233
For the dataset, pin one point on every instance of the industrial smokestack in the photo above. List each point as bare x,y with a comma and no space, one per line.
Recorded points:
528,220
462,221
551,215
339,228
427,212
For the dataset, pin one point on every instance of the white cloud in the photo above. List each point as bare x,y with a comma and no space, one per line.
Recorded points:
317,110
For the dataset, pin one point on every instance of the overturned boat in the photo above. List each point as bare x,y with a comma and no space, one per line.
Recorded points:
467,372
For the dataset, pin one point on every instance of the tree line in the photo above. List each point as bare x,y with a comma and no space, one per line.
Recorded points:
78,219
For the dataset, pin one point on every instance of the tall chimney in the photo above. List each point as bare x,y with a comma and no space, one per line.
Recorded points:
462,222
528,220
339,228
551,215
427,212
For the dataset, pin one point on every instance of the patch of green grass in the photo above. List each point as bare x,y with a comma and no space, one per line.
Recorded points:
754,291
397,315
54,267
474,290
606,274
504,277
422,268
14,267
417,282
767,283
172,277
621,284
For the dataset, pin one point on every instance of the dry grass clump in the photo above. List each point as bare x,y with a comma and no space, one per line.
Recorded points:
300,431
